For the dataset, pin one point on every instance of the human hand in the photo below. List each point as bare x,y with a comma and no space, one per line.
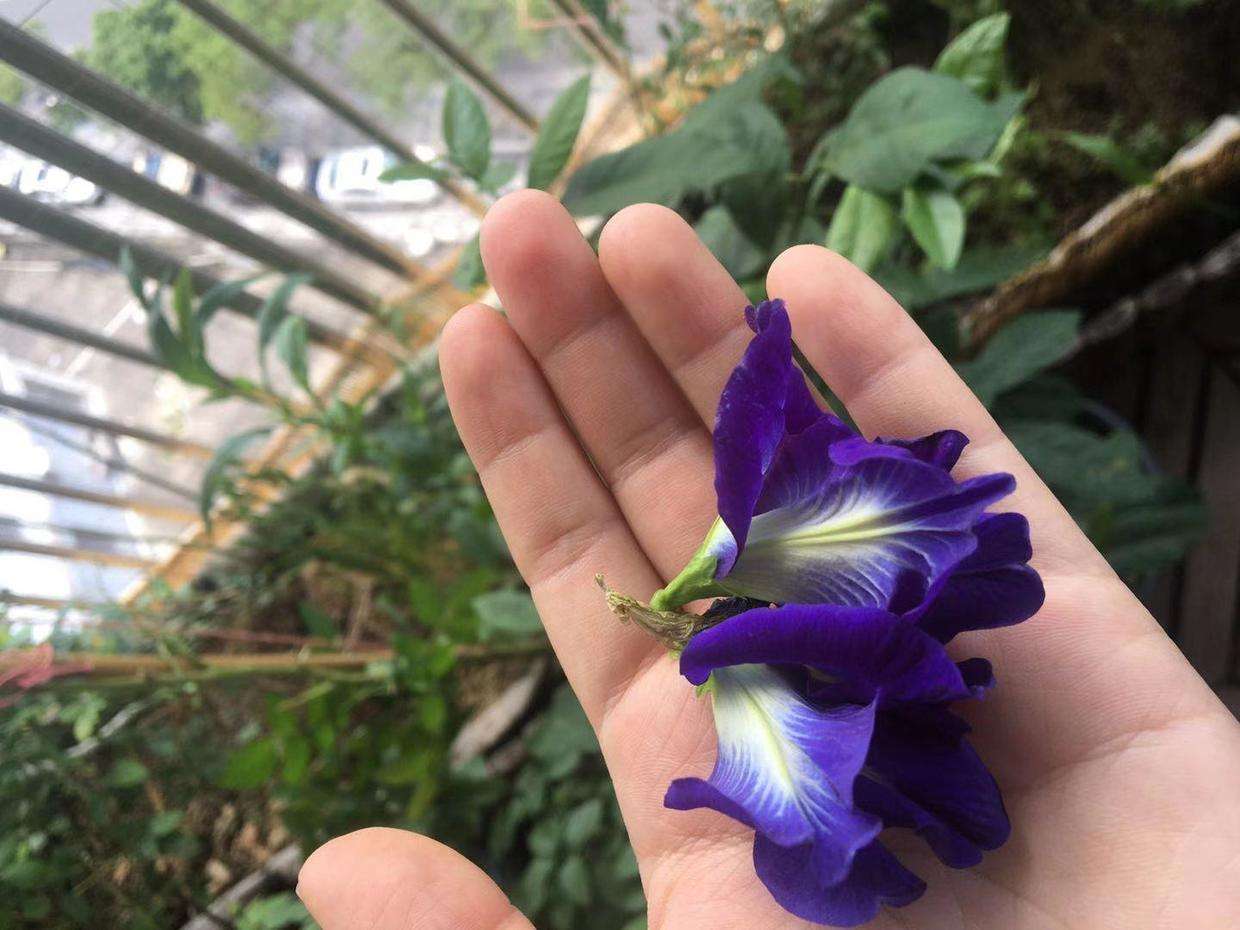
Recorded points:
587,412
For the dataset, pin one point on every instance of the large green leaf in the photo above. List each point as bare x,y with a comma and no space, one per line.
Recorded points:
741,141
976,55
558,134
908,119
728,243
1028,345
1085,469
466,130
862,227
936,220
1144,538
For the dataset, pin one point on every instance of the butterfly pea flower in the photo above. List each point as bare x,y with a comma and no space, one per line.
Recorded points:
832,726
811,512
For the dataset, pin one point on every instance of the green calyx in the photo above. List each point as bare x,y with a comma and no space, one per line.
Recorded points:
695,581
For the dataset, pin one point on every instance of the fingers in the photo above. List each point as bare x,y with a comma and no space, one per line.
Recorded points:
561,524
894,382
380,879
631,417
684,302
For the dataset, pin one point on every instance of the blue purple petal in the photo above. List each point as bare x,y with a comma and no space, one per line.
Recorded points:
876,650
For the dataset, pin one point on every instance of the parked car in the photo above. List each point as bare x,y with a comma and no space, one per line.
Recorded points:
351,177
169,170
42,181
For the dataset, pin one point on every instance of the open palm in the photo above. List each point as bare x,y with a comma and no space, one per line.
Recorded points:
588,411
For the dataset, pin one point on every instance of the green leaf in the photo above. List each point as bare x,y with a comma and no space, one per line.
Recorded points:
532,889
574,880
189,330
470,272
292,347
908,119
936,220
506,614
1144,538
563,731
226,456
222,295
583,823
297,752
723,237
164,823
558,135
976,55
499,174
1083,468
251,765
318,623
274,311
697,157
466,130
413,171
979,269
137,281
862,227
1028,345
1111,155
127,773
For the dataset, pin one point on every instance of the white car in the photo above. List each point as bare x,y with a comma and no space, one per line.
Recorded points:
54,184
351,177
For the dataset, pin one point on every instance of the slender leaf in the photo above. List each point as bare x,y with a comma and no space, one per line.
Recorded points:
1111,155
222,295
413,171
469,272
275,309
976,55
862,227
137,281
226,457
189,328
558,134
936,220
291,341
466,130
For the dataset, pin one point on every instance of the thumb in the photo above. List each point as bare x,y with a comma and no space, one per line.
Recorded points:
381,879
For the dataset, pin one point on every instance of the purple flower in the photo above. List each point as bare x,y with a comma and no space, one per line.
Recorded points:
810,512
831,725
847,565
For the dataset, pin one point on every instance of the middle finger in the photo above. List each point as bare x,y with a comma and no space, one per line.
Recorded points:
646,441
